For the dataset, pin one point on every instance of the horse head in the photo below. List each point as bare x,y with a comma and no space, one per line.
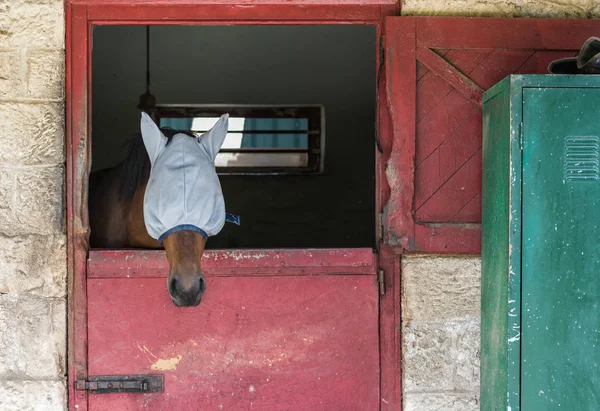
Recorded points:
183,202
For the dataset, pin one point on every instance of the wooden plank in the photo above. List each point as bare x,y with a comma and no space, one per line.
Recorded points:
421,71
539,61
447,238
401,102
441,168
391,8
459,81
380,183
226,13
442,121
253,343
431,90
390,331
77,164
455,193
140,263
384,133
504,33
466,60
498,65
471,212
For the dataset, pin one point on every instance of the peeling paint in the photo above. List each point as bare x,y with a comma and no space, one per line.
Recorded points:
517,337
245,255
512,311
166,364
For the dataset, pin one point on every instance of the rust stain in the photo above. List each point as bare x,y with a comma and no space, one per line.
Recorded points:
166,364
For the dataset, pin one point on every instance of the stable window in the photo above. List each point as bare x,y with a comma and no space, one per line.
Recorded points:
261,139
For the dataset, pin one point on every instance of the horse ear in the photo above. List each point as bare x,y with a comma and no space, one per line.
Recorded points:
154,139
213,139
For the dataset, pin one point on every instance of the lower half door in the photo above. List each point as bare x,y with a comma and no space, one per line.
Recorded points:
276,330
560,344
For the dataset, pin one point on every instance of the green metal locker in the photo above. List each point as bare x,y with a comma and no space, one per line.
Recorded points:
540,305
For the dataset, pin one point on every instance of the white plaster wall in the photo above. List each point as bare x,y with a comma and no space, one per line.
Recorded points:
32,227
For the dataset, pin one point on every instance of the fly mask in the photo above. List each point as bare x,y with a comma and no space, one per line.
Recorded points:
183,192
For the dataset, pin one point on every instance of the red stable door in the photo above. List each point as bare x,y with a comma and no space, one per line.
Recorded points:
275,330
312,329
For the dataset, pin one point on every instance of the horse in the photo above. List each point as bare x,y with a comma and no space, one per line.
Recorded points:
165,194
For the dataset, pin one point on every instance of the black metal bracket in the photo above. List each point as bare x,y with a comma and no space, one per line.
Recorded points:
105,384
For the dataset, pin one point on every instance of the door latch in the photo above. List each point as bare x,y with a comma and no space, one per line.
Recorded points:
104,384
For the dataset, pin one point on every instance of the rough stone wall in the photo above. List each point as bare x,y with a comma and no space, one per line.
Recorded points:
32,218
503,8
440,333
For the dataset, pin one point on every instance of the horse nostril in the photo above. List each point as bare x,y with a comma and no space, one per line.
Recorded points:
202,285
173,286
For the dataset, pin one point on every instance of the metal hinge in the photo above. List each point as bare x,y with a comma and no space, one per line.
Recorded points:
381,282
104,384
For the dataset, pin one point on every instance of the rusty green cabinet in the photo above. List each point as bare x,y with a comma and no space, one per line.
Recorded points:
540,308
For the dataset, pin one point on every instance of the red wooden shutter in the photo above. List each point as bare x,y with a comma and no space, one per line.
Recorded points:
436,72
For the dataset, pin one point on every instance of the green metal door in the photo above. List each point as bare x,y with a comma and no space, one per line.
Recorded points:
560,313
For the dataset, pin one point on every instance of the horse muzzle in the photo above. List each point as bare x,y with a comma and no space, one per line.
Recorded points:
186,291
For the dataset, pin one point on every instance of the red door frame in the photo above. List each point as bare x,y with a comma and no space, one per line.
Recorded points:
81,16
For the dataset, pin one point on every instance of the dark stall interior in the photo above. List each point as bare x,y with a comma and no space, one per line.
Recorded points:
327,66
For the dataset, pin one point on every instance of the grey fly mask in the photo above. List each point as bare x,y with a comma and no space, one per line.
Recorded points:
183,191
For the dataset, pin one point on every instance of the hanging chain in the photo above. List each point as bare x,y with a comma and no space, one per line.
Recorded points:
147,101
147,59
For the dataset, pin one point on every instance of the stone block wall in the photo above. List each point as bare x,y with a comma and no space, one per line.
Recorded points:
33,269
581,9
440,333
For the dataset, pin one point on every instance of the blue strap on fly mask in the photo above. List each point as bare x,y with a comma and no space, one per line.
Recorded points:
232,218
